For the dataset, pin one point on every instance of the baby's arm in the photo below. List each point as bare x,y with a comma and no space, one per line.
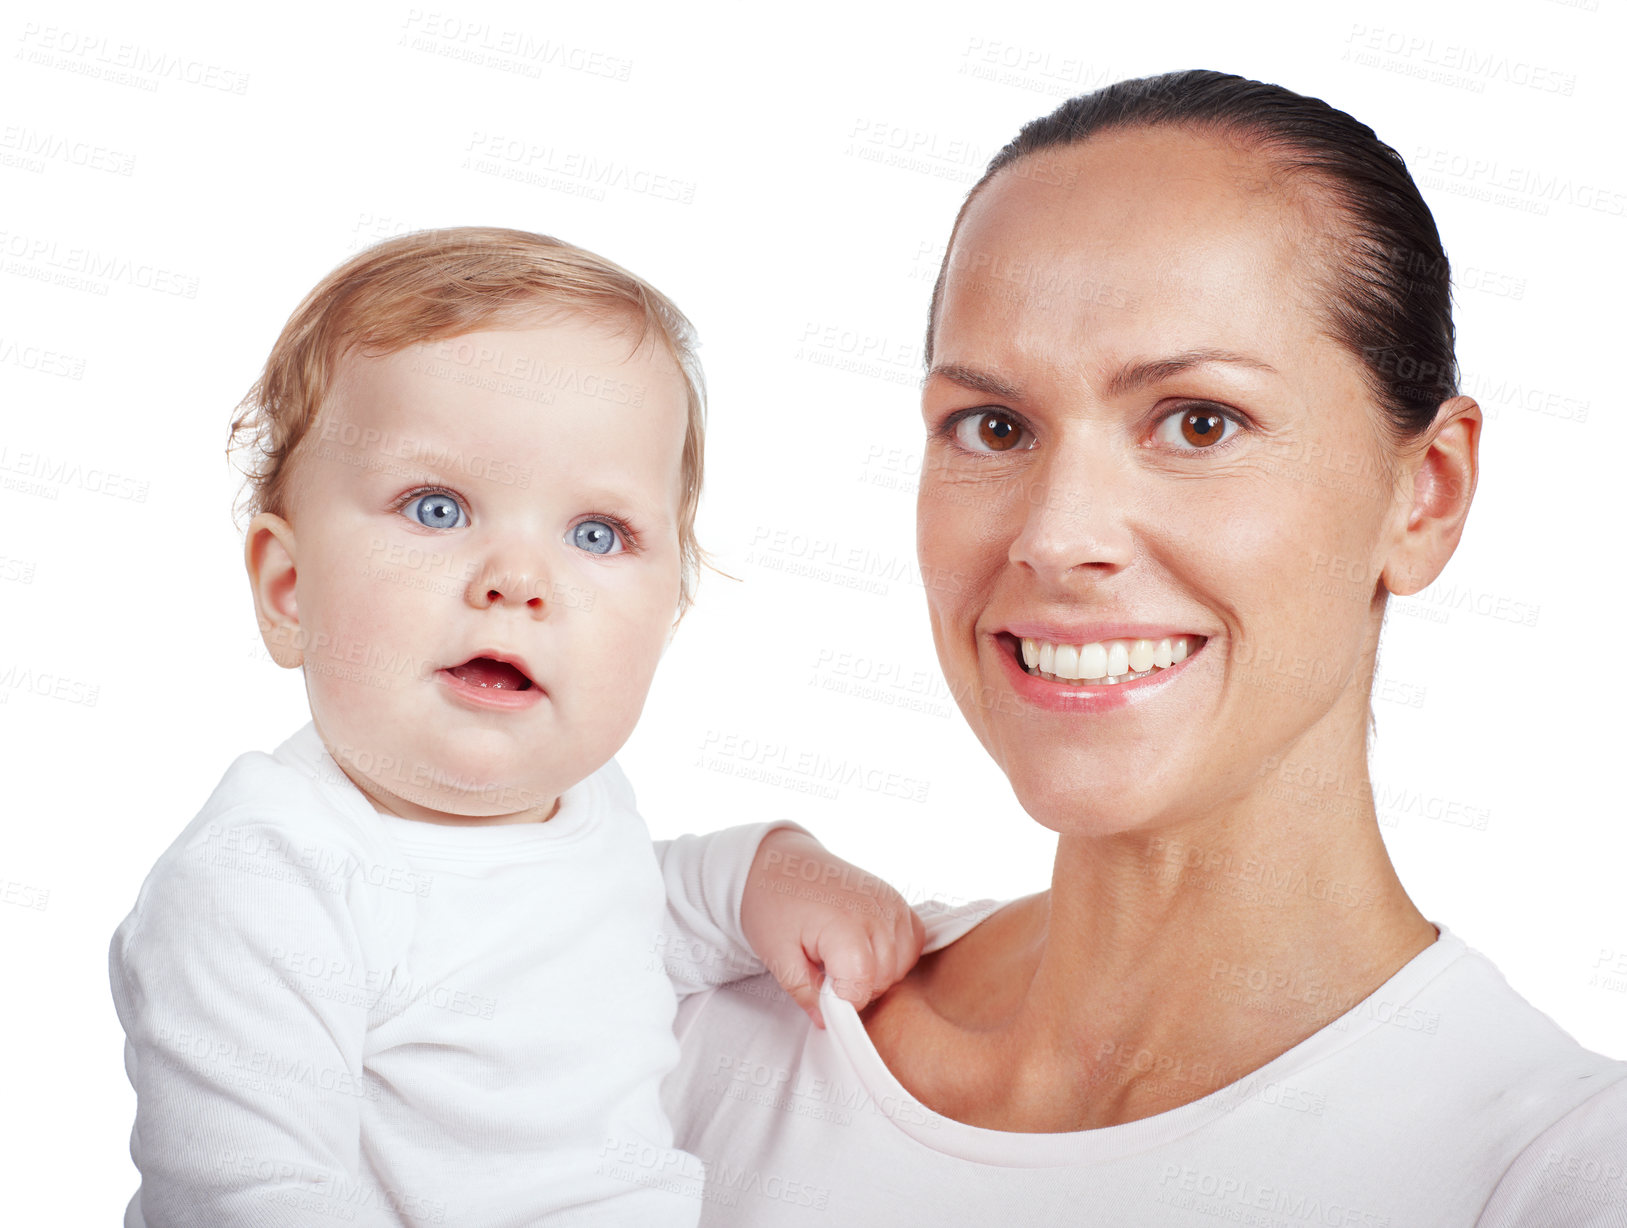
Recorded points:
772,895
235,980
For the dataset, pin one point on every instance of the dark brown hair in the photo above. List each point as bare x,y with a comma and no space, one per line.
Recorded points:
1389,298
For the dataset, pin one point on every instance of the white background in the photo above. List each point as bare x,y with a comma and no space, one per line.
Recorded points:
279,140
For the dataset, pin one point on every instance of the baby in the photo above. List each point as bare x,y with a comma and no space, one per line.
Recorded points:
418,964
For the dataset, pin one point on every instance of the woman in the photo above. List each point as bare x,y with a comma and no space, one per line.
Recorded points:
1192,417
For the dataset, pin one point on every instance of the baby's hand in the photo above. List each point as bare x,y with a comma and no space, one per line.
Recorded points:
805,909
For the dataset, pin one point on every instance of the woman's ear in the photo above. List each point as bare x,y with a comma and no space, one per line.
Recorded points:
269,555
1434,489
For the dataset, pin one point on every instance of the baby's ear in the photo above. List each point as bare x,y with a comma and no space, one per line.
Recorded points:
268,553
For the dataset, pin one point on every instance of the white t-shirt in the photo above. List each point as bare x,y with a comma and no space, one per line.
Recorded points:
1444,1099
334,1015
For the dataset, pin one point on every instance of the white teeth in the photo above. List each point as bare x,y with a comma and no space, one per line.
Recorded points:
1118,657
1106,662
1067,661
1093,661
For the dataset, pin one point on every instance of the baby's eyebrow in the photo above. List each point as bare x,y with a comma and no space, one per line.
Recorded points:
652,513
437,462
410,448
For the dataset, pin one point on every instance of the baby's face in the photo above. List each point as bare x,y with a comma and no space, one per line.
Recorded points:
486,563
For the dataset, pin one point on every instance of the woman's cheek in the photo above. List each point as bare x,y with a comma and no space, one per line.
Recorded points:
949,523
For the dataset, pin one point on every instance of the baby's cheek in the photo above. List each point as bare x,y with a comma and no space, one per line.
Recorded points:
624,677
347,697
355,662
620,672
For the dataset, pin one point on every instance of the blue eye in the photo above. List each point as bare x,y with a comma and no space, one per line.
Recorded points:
437,510
596,537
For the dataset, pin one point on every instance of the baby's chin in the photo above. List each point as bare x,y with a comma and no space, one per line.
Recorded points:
460,812
462,803
413,761
443,789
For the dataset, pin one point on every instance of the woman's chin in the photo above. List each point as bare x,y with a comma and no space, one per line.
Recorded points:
1107,808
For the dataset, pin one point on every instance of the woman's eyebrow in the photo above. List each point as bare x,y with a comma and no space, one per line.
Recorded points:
977,381
1126,379
1134,375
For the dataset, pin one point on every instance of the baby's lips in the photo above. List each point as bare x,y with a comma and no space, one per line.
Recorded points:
493,674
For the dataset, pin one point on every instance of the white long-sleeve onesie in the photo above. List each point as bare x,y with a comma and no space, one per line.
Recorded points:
333,1015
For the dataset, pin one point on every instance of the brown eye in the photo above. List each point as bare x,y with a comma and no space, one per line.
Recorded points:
998,433
1197,427
1202,429
990,430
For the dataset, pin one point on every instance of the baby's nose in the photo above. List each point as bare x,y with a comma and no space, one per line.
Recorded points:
508,588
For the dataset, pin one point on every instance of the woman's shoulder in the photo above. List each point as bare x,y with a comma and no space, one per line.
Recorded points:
738,1035
757,1007
1572,1175
1552,1109
947,921
1449,1019
1444,1060
1471,1003
1473,1061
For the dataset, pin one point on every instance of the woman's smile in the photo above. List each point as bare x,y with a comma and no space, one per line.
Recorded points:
1106,662
1101,676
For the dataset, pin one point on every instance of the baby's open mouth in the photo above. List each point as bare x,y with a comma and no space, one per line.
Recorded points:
495,675
1105,662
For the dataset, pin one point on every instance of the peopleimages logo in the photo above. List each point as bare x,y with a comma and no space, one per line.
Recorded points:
1449,63
505,49
85,268
1527,189
804,771
120,62
1229,1197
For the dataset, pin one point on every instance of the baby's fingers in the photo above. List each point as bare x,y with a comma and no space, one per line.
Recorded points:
909,936
895,936
858,962
800,978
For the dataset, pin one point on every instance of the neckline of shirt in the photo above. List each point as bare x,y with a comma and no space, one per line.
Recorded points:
580,809
1010,1149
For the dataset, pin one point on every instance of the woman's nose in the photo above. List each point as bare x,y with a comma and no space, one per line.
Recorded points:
1073,516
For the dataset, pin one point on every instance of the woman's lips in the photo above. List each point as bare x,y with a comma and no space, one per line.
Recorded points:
1095,695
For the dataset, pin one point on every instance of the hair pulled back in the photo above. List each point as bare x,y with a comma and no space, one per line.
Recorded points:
1387,291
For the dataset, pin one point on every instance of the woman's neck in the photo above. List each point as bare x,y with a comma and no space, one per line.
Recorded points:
1156,969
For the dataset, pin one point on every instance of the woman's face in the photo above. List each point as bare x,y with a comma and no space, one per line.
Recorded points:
1137,431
